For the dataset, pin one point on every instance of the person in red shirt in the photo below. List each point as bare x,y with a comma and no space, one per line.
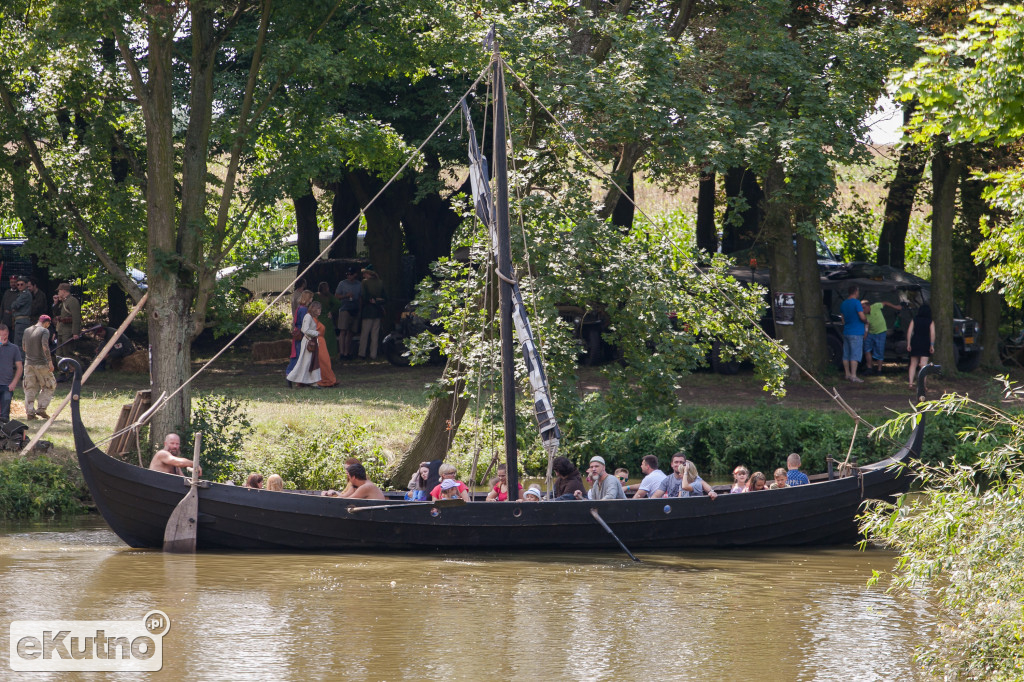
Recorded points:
499,493
448,473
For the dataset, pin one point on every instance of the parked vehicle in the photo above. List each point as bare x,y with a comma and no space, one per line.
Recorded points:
877,284
282,269
409,324
884,283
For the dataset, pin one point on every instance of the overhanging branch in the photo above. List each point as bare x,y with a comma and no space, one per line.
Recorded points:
78,223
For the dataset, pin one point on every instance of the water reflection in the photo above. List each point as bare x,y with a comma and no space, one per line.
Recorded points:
783,615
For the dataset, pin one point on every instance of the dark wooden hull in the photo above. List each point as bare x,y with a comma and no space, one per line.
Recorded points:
137,502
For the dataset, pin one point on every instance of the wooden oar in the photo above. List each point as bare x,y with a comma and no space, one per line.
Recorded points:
597,517
180,532
453,502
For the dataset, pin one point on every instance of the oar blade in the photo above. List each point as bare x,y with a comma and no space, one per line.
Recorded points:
180,532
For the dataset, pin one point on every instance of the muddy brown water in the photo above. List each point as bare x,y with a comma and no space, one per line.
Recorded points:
687,615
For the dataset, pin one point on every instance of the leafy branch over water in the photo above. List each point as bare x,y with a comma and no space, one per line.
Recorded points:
961,544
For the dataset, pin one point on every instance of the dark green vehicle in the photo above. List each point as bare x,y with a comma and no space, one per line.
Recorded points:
883,283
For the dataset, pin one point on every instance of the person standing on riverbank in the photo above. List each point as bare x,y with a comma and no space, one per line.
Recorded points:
372,297
10,372
39,380
347,293
67,312
853,333
8,302
21,311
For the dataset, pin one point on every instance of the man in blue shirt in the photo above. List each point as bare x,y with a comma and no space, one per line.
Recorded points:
854,330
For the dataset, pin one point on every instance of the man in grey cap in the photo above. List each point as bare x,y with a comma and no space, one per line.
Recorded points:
602,486
39,382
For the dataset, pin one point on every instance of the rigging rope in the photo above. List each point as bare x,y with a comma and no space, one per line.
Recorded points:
409,159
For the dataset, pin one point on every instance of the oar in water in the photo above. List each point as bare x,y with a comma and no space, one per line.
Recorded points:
453,502
180,532
597,517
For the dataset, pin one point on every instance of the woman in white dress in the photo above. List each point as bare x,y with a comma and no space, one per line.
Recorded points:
307,367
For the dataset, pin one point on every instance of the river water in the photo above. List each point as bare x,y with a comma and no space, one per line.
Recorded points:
730,615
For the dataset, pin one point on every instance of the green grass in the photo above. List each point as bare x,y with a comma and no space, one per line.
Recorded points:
389,402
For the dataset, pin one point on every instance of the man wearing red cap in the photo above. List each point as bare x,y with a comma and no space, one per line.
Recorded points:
39,383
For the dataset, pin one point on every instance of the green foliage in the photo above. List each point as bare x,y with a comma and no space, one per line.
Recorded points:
967,86
482,435
760,438
235,311
661,312
316,460
960,540
37,486
225,428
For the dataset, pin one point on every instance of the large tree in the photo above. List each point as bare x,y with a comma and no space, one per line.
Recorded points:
196,86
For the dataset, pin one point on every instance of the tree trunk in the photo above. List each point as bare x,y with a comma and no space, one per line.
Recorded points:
435,435
429,225
170,321
308,231
778,232
945,176
899,204
629,155
707,234
117,306
344,210
810,313
984,306
991,315
624,211
741,182
384,239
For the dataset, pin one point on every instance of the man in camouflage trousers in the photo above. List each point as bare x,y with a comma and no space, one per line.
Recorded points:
39,382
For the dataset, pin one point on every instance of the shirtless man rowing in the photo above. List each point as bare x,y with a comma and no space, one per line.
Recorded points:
167,459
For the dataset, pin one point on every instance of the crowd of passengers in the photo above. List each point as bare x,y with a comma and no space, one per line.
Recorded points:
439,481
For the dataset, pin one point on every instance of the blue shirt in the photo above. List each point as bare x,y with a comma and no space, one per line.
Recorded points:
796,477
852,324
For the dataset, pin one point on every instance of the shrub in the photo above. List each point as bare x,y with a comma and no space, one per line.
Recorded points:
225,428
316,461
37,487
760,438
